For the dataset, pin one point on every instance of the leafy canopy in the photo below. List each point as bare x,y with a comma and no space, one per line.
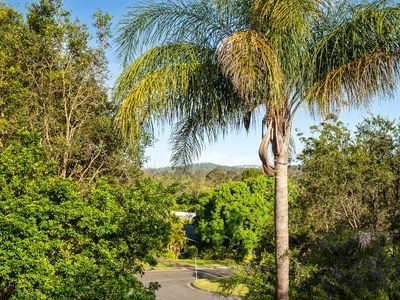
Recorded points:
53,75
58,243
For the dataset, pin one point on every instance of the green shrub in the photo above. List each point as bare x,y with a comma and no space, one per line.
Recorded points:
234,216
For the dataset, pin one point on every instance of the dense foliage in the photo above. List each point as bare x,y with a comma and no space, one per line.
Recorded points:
57,243
352,265
345,224
233,217
357,265
352,181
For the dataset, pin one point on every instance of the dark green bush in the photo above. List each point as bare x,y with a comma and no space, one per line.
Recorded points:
234,216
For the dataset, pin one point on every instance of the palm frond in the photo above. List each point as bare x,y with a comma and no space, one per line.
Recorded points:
174,21
155,60
221,59
187,142
249,61
356,59
189,136
287,15
169,83
355,83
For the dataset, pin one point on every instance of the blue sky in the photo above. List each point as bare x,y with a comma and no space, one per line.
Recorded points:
236,149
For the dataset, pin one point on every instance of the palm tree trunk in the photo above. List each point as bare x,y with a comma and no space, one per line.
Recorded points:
281,226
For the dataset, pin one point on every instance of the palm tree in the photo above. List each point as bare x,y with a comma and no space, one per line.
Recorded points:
212,66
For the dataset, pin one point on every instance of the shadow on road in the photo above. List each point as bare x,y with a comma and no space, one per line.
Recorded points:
211,273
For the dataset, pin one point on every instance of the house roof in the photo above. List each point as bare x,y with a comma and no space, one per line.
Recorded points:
184,215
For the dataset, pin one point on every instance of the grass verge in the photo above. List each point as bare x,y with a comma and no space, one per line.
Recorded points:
167,265
182,263
214,285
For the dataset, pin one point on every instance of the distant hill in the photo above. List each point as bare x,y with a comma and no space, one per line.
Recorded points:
195,178
187,183
196,171
203,166
204,175
195,167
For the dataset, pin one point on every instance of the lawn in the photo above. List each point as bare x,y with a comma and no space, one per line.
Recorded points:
214,285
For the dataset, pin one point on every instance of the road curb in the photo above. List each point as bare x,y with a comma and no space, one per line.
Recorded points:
192,286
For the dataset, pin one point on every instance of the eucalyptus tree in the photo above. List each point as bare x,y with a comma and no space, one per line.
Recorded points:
209,67
53,80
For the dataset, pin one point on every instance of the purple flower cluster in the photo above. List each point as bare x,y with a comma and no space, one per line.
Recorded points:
364,239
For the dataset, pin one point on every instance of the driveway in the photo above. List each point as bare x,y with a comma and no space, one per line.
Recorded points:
175,284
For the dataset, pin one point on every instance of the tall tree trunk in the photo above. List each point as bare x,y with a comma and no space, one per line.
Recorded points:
279,124
281,225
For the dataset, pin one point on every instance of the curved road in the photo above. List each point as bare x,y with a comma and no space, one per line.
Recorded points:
175,284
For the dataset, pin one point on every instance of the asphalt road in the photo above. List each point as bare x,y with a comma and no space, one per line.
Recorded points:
175,284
